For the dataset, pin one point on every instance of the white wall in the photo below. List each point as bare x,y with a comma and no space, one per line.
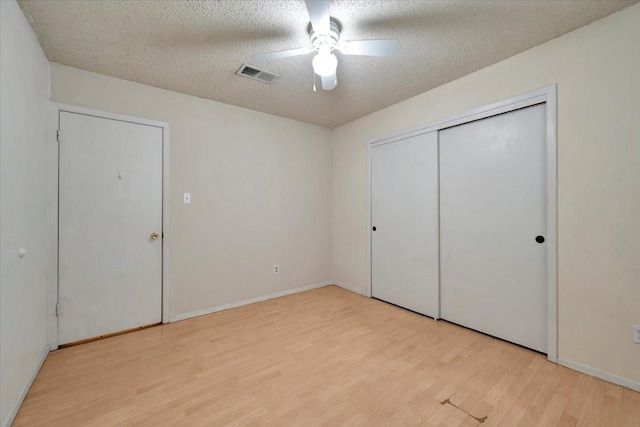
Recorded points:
25,162
261,189
597,69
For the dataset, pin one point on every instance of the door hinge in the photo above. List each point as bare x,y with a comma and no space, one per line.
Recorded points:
58,136
57,310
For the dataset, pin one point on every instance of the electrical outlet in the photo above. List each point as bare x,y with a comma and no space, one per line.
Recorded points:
276,268
636,334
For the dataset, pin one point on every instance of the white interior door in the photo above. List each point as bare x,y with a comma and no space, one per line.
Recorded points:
404,215
493,207
110,203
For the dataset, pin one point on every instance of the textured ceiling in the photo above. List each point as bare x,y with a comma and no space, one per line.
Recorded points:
195,47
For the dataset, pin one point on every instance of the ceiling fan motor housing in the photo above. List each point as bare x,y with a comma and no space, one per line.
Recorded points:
323,41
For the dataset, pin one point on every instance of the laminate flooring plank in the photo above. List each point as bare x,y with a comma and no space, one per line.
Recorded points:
325,357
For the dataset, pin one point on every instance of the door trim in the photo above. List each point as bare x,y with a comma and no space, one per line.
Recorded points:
545,95
53,125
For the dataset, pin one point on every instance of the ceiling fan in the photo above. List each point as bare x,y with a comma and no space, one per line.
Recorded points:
324,36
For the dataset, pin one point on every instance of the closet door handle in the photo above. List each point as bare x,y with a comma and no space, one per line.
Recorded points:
540,239
374,229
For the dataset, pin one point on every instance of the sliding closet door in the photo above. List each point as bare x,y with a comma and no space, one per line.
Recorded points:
404,219
493,225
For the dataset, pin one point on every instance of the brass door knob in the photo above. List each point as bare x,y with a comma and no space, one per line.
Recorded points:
154,235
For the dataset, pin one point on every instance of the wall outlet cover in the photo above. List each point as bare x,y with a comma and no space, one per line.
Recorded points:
636,334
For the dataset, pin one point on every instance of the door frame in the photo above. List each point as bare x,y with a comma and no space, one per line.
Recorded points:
53,125
546,95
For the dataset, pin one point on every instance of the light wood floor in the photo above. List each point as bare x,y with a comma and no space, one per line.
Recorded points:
326,357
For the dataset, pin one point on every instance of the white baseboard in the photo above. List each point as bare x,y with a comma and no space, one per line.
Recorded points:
624,382
27,386
210,310
349,288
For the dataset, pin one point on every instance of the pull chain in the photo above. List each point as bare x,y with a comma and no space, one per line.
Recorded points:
314,81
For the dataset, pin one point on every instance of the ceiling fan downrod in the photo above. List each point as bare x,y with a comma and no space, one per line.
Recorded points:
328,40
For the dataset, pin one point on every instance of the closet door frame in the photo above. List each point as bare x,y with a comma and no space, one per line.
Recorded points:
547,96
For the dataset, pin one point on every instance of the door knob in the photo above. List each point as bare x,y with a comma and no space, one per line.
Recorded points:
154,235
374,229
540,239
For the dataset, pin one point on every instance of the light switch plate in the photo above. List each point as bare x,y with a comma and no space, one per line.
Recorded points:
187,198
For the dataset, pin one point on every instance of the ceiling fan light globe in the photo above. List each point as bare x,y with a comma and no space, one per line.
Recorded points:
325,64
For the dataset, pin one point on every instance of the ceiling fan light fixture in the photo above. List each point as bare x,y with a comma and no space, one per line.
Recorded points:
324,35
324,63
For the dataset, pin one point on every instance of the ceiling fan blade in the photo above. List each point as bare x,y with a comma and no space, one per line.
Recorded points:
284,53
370,47
319,15
329,82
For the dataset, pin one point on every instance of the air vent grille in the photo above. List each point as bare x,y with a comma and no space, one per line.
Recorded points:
256,73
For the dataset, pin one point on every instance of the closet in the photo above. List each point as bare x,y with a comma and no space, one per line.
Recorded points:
459,223
404,176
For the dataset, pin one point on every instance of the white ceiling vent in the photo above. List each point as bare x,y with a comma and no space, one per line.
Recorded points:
256,73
